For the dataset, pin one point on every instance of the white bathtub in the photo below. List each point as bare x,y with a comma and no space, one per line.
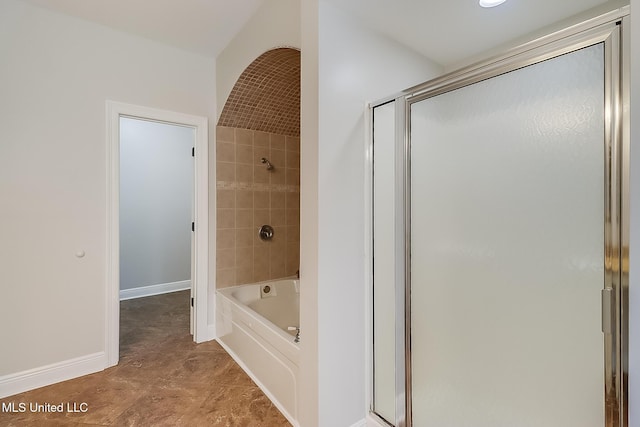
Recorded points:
252,327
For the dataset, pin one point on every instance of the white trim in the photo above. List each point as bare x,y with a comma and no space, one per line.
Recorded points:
202,299
46,375
264,389
112,300
114,110
150,290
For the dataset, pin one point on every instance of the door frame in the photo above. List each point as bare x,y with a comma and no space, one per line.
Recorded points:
200,255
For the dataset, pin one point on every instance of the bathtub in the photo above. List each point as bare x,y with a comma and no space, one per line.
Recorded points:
252,322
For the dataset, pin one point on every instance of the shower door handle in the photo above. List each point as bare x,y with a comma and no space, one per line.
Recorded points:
608,310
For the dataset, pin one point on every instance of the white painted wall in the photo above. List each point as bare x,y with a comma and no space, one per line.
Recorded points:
308,376
634,244
156,202
355,66
275,24
55,76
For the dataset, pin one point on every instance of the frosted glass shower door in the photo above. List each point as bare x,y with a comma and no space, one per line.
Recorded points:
507,249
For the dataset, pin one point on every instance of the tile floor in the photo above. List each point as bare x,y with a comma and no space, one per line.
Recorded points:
163,379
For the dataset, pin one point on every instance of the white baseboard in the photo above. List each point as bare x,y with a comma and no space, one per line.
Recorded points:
56,372
147,291
361,423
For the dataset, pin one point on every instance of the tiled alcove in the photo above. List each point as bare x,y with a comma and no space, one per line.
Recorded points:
260,119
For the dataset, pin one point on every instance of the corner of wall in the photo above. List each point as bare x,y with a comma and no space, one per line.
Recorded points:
308,409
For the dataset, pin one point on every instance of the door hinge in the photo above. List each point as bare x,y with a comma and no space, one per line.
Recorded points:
193,151
193,226
191,301
608,311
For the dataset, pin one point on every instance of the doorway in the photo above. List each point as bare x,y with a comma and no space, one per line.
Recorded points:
156,207
124,120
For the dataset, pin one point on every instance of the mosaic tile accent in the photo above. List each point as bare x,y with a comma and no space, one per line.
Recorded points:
266,97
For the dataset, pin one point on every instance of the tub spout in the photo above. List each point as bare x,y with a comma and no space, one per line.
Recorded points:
297,329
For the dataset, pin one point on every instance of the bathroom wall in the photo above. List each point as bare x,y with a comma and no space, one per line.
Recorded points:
355,66
56,74
248,196
308,391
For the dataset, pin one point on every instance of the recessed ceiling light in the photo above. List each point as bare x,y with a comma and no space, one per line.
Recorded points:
491,3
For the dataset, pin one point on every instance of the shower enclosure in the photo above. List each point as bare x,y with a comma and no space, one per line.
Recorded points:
500,229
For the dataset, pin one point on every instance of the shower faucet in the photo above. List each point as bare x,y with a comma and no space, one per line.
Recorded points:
269,165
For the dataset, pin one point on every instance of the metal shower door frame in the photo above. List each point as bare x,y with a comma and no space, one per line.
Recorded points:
611,29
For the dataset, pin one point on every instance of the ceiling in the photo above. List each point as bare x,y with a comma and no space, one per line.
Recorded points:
201,26
446,31
451,31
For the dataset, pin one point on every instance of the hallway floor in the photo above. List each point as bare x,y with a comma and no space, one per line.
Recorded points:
163,379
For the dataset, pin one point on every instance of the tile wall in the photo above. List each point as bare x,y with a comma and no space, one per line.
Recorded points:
248,196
